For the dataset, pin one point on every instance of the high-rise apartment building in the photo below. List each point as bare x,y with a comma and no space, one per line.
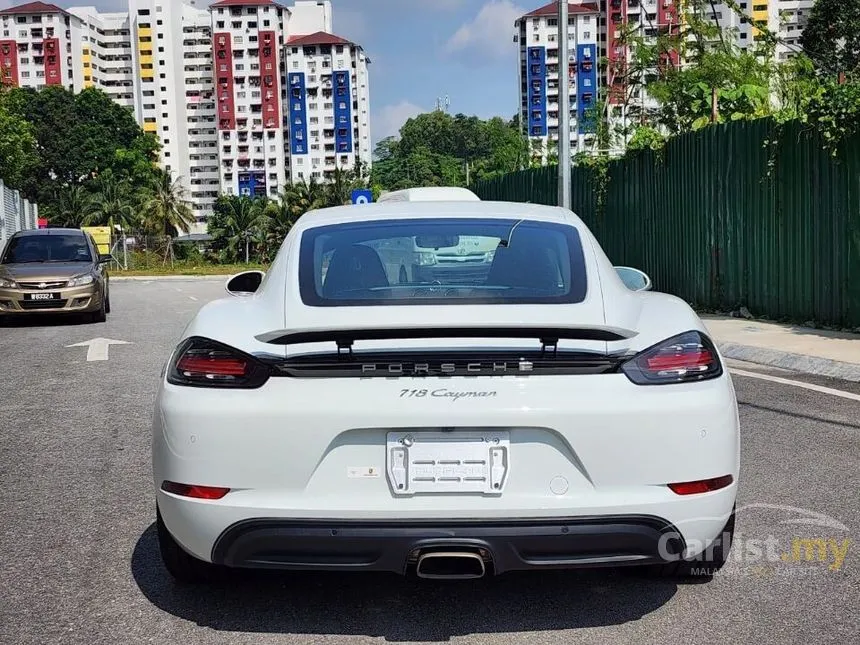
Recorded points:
106,54
603,27
212,83
328,106
537,35
785,18
40,46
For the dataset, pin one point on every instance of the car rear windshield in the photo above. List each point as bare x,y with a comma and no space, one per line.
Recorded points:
47,248
441,261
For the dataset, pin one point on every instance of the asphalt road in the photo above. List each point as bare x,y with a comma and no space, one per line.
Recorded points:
79,554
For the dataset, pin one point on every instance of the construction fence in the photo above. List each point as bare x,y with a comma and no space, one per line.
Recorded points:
743,214
16,214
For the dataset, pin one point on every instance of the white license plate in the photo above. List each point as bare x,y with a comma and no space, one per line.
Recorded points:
44,296
448,462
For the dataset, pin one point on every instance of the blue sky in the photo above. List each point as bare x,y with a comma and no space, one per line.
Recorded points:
421,50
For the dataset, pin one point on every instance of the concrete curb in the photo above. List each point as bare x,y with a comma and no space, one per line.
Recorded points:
170,278
794,362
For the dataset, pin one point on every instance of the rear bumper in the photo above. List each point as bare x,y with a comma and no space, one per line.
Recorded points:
560,543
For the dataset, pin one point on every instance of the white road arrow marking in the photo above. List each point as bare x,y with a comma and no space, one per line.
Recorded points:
98,348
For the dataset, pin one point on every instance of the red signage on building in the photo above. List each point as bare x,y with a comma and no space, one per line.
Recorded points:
8,63
53,69
223,53
269,74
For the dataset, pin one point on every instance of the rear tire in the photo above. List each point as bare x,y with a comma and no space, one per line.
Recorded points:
182,566
703,566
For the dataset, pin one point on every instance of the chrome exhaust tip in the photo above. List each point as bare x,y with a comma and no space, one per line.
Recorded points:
450,565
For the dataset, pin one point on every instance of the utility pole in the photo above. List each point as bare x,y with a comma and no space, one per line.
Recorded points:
564,106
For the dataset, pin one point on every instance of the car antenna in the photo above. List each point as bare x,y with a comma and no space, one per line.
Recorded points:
507,243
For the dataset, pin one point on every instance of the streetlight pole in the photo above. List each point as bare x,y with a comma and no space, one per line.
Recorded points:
564,158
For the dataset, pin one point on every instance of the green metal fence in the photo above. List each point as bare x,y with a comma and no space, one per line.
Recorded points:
737,214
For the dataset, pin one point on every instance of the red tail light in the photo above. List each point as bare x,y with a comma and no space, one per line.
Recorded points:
206,363
195,492
702,486
212,365
688,357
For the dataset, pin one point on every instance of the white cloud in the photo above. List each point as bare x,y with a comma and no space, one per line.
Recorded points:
488,35
388,120
352,24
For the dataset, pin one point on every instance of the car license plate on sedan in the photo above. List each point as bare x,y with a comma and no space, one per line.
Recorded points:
41,296
448,462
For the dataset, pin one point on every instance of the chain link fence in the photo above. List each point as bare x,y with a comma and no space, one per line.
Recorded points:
136,252
16,214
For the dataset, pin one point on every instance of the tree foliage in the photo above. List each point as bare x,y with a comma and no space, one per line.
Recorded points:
166,210
721,81
831,37
438,149
17,148
255,227
80,137
18,154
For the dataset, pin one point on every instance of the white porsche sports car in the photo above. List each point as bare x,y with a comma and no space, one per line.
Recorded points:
531,410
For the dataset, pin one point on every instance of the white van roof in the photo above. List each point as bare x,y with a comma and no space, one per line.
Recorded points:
430,194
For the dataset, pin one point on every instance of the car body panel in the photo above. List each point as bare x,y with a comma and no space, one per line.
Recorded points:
315,448
52,278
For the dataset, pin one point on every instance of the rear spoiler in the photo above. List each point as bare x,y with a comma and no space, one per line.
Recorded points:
345,338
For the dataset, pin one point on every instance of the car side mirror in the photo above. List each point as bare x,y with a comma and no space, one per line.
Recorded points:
634,279
106,258
245,284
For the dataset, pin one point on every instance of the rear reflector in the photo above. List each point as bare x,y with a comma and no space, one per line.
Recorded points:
701,486
195,492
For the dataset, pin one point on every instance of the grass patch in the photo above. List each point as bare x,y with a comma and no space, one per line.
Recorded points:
179,268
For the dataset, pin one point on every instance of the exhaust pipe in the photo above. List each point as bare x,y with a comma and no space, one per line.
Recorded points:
450,565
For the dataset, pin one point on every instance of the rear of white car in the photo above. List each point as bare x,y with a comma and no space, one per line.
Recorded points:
334,422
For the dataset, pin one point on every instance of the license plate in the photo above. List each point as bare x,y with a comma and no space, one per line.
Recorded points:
448,462
41,296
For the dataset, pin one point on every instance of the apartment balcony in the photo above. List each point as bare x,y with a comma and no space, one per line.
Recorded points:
205,177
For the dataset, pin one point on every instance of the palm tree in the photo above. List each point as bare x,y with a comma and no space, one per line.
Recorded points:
240,223
165,211
339,191
113,203
72,206
277,220
303,196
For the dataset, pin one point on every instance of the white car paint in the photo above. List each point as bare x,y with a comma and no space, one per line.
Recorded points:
580,445
430,194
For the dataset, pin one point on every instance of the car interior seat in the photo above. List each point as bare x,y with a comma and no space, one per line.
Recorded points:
524,265
353,268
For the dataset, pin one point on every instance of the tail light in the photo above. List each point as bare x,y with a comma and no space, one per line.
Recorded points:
200,362
688,357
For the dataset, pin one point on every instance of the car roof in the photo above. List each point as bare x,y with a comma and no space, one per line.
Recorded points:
37,232
423,210
430,194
